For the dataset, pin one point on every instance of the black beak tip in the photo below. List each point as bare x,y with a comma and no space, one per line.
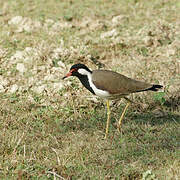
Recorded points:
64,77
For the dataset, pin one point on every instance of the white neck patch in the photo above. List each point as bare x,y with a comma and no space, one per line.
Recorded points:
98,92
83,72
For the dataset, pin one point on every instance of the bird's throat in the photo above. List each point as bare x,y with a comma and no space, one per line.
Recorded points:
85,81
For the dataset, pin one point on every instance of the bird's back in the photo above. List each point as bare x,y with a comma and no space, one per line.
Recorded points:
117,84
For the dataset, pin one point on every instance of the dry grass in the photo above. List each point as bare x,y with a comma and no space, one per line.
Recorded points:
52,129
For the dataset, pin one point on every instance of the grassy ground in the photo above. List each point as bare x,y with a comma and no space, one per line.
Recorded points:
50,129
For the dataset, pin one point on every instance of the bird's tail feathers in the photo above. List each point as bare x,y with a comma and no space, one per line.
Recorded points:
155,87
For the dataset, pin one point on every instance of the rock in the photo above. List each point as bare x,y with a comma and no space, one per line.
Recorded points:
15,20
59,52
31,99
2,88
49,77
57,86
61,64
117,20
148,40
111,33
39,89
24,24
3,53
170,51
94,99
3,81
19,55
57,70
13,88
60,25
48,22
31,81
21,68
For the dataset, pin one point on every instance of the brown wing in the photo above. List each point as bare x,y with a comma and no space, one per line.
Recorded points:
116,83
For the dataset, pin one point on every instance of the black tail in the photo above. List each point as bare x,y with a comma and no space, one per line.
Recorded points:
154,88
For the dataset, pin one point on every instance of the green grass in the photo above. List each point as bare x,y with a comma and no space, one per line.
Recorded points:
60,133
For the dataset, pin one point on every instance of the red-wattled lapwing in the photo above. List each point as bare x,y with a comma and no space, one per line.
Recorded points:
109,85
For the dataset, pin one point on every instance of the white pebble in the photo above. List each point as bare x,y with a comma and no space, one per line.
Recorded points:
117,19
111,33
57,86
13,88
15,20
61,64
39,89
2,89
21,68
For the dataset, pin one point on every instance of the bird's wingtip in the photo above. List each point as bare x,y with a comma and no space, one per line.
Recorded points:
156,87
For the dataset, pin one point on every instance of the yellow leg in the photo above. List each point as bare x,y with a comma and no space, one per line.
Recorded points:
122,115
108,118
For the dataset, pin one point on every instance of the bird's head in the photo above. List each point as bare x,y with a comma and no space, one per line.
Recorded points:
78,70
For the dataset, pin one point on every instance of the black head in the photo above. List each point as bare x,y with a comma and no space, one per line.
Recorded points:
74,70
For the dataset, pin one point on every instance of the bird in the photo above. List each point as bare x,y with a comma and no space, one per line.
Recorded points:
109,85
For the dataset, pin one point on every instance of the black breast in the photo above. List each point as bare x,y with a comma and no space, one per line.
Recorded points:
85,82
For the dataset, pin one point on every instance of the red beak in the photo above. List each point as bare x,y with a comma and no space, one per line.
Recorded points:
67,75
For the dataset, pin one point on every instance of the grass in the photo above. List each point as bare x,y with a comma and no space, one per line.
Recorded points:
53,129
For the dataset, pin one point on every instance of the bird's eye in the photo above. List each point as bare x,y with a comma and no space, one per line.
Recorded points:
73,70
